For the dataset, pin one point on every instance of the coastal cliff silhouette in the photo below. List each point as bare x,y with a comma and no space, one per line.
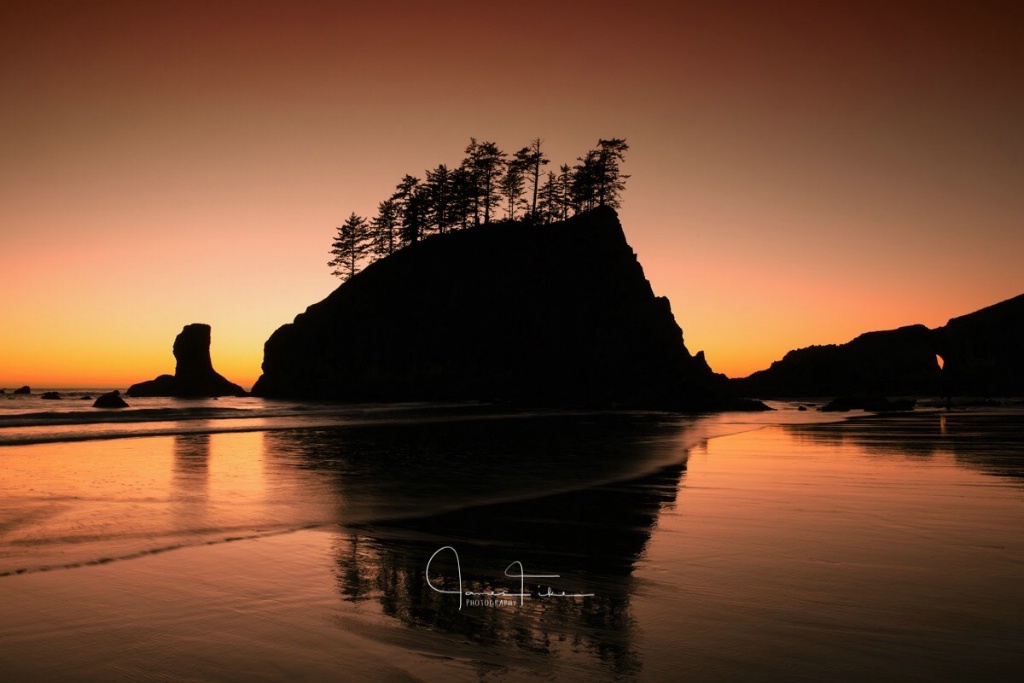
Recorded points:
980,356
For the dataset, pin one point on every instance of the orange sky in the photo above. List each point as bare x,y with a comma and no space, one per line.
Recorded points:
802,171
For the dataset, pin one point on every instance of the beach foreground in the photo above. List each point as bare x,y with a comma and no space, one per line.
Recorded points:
656,547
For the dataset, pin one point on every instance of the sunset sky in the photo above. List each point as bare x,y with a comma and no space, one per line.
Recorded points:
802,172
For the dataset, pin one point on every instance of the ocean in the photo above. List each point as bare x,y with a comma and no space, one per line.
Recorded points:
244,539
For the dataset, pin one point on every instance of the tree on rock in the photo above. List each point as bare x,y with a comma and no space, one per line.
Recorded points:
439,198
411,199
384,228
350,245
564,196
511,186
610,181
471,193
549,208
531,159
486,163
464,198
585,179
597,180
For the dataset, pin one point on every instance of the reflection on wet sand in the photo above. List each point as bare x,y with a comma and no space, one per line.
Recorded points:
591,539
190,478
405,491
420,469
991,442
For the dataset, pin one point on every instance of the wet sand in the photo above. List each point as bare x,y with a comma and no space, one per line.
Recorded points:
875,548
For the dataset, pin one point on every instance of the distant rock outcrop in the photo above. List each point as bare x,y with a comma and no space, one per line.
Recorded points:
984,351
877,363
51,396
981,356
552,315
110,400
23,390
194,376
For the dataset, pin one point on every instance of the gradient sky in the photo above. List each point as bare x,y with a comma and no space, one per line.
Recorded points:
802,172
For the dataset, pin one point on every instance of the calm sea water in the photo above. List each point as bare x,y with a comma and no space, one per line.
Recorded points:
248,540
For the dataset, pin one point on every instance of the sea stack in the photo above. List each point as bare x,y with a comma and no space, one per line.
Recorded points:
194,376
110,400
554,315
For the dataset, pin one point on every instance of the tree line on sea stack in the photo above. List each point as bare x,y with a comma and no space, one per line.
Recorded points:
487,182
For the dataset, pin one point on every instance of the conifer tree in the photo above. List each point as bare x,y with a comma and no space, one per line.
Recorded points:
472,175
350,245
511,186
565,176
549,206
384,227
585,181
409,197
486,162
463,198
609,180
439,198
532,159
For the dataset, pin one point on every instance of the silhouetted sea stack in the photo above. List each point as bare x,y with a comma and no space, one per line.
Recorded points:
556,314
23,390
110,400
194,376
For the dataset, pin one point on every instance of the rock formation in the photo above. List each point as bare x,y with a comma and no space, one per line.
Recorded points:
891,362
545,315
981,354
110,400
983,351
194,376
51,396
23,390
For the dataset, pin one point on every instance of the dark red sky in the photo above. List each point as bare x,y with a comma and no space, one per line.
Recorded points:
802,171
